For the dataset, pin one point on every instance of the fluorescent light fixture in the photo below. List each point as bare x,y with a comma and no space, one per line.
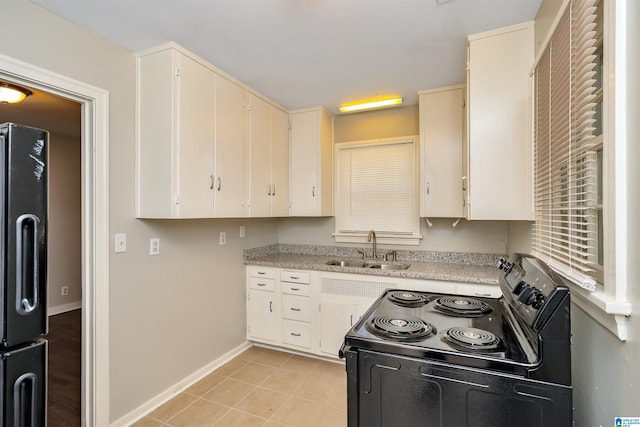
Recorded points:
10,94
382,103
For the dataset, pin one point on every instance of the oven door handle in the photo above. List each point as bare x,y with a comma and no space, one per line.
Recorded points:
342,353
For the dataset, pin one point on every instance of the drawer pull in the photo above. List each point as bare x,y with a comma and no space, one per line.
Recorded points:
482,295
294,277
295,309
295,289
261,284
261,272
295,335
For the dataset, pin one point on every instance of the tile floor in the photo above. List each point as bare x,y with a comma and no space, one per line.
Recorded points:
261,387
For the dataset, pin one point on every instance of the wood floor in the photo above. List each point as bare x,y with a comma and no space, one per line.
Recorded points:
64,369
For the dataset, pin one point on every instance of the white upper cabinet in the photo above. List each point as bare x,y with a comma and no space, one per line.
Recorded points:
499,85
442,117
229,153
311,178
268,159
175,114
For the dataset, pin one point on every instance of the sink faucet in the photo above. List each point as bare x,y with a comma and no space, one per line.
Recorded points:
372,238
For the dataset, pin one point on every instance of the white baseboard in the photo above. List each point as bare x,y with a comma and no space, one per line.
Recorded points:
179,387
58,309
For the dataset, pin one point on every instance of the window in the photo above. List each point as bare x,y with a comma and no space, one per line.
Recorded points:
576,158
566,148
376,189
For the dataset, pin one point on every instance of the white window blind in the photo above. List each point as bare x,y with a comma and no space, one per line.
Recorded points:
566,229
377,188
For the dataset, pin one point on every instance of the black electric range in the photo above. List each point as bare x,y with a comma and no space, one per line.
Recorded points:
428,359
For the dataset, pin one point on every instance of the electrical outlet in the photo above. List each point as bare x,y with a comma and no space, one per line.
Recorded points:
242,231
154,246
64,291
223,238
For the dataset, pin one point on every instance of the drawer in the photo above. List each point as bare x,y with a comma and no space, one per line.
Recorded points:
296,308
262,284
294,276
259,271
296,289
296,333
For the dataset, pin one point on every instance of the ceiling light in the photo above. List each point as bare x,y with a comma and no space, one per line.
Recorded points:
10,94
382,103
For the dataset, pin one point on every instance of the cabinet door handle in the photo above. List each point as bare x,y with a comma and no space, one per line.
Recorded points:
295,334
313,191
464,183
295,309
268,190
351,320
270,306
210,182
273,191
219,183
428,185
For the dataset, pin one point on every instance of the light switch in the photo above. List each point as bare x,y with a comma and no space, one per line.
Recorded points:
120,243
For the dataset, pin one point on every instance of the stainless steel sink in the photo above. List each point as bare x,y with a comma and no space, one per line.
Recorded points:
347,263
390,266
364,264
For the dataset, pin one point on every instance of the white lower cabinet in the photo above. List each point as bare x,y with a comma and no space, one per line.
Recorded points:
263,305
336,318
311,311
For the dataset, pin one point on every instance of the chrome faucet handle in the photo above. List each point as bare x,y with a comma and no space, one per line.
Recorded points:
362,253
393,253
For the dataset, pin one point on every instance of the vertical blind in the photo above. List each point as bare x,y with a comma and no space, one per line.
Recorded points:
376,188
565,233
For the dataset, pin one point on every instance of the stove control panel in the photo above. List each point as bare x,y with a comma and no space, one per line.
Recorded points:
532,289
529,295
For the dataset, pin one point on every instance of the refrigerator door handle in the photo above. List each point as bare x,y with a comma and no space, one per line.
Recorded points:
27,263
24,400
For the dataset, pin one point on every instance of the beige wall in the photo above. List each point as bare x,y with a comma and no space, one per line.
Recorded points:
65,240
173,313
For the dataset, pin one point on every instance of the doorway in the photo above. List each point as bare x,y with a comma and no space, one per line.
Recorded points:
95,226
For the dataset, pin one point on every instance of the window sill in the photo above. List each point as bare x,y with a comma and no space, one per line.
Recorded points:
611,313
380,240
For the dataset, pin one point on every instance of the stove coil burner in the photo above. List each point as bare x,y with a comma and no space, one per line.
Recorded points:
461,306
400,328
408,299
471,339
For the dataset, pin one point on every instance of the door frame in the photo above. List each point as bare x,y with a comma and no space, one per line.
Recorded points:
95,226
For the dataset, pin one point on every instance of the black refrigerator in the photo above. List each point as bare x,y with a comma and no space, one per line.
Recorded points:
23,273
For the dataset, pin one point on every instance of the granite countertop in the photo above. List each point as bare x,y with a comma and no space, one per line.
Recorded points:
445,266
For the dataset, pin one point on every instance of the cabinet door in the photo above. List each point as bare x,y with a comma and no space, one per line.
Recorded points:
499,124
335,321
441,142
259,201
311,180
264,316
228,182
196,139
279,162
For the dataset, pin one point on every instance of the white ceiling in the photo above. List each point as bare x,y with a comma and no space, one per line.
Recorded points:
306,53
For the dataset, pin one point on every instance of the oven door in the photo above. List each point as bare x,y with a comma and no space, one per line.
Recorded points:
23,387
395,391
